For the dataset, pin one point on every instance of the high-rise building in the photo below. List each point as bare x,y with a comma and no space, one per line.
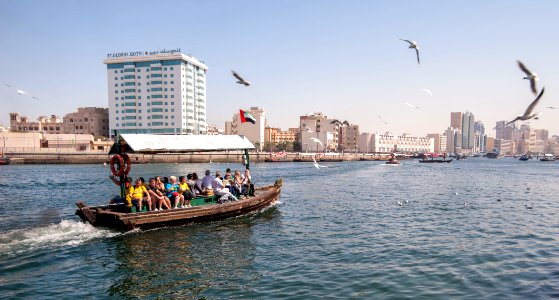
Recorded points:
156,92
468,135
503,131
456,120
437,142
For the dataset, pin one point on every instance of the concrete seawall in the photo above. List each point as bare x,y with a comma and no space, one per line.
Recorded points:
88,158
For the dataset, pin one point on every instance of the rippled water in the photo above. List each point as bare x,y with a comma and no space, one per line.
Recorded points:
338,232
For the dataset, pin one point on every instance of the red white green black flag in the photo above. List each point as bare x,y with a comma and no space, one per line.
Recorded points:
246,117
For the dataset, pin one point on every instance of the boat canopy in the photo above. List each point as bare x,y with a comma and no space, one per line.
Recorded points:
156,143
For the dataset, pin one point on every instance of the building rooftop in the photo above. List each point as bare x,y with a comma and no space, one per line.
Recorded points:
143,56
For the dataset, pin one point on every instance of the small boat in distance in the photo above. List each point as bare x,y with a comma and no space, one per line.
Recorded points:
525,157
392,160
547,157
492,154
434,158
5,160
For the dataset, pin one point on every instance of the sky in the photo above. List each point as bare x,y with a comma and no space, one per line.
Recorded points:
341,58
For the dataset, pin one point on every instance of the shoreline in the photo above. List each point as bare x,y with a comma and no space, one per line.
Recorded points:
221,157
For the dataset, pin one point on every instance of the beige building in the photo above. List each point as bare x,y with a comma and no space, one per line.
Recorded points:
87,120
456,120
388,143
490,143
349,138
254,132
438,148
213,130
320,127
36,142
276,135
43,124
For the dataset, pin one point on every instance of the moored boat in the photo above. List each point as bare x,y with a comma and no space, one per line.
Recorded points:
5,160
525,157
204,208
547,157
435,158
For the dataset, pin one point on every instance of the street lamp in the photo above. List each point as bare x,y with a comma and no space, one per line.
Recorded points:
4,148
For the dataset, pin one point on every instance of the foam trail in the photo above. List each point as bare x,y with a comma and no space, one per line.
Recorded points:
66,233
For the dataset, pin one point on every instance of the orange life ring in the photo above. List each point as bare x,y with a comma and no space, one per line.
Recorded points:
120,163
127,163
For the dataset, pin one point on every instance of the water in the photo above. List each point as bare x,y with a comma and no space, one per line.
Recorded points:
337,233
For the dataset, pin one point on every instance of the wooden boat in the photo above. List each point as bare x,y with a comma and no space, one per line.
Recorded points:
278,157
123,217
525,157
203,209
393,161
432,160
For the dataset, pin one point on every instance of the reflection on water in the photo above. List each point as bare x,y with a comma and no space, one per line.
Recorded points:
188,261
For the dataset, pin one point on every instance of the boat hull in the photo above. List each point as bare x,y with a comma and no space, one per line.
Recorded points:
436,161
105,216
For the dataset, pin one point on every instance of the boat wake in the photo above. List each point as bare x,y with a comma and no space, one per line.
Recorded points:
64,234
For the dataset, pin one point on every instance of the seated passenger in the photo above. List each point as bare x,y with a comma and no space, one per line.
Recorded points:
219,188
197,182
238,183
158,198
184,190
137,192
194,188
161,188
248,186
207,180
172,189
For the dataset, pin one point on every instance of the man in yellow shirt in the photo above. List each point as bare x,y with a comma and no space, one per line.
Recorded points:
137,192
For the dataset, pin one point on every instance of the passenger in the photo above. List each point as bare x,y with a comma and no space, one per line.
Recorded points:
248,186
185,191
161,188
238,183
228,181
143,182
198,182
138,191
172,189
194,188
207,180
219,188
158,198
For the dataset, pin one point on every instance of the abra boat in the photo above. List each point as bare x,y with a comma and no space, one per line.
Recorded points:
525,157
435,158
122,217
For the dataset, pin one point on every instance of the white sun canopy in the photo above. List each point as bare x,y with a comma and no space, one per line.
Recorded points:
154,143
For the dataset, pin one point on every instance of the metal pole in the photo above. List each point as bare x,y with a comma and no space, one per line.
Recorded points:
247,165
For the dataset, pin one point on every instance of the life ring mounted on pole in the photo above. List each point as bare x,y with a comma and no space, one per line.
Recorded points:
120,164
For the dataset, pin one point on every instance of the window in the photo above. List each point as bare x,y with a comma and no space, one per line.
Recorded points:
116,72
116,78
171,68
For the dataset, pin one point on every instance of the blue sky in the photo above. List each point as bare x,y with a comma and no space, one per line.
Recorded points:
341,58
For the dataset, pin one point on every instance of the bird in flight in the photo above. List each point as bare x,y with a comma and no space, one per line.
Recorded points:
413,45
533,77
317,141
383,121
552,107
336,121
20,92
316,165
412,106
427,91
240,79
528,113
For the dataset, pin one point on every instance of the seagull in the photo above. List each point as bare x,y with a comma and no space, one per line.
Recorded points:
528,206
412,106
20,92
413,45
317,141
427,91
316,165
240,79
499,199
383,121
465,204
528,113
552,107
533,77
399,203
406,201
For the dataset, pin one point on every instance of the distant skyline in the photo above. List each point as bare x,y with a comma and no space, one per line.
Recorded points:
343,59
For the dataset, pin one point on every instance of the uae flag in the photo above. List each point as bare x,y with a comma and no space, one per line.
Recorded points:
246,117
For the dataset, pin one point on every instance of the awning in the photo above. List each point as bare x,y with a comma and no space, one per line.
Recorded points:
155,143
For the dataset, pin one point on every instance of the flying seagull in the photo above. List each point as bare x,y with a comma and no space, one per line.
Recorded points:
336,121
383,121
427,91
240,79
317,141
20,92
316,165
528,113
533,77
413,45
412,106
552,107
